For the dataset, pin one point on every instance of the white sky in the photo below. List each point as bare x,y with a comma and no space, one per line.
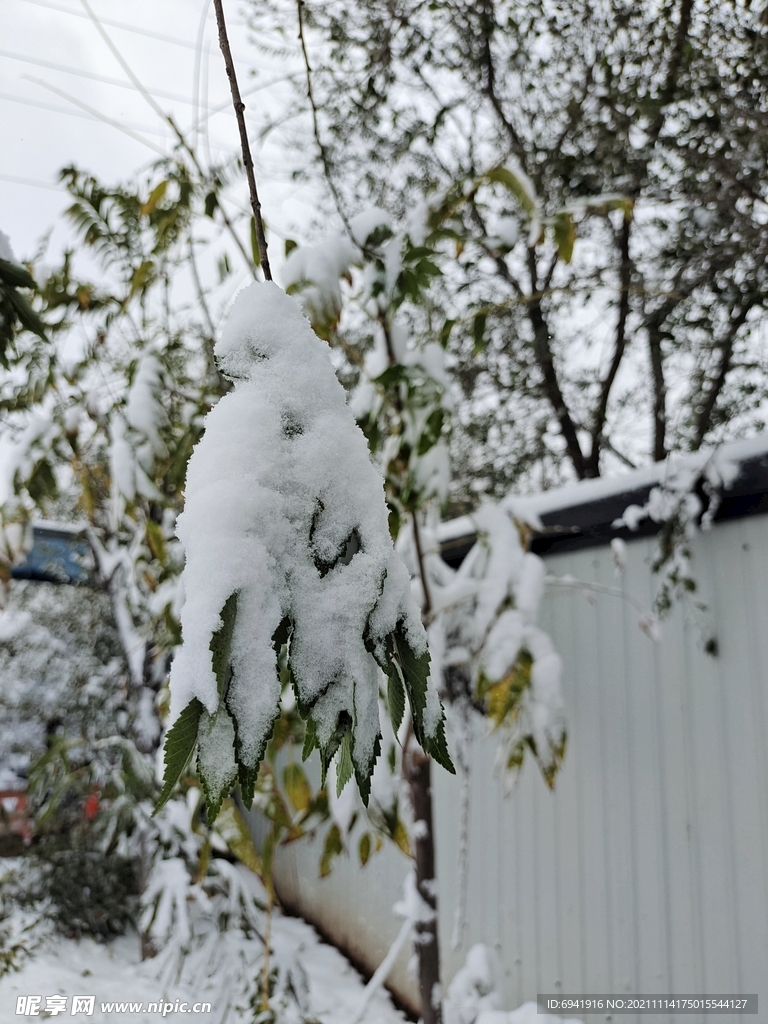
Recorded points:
158,38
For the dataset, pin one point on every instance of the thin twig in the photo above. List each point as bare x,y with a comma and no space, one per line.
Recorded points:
239,106
316,126
170,121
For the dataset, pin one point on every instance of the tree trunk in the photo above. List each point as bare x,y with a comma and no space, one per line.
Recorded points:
419,775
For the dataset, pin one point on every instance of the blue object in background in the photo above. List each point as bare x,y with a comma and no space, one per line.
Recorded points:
58,555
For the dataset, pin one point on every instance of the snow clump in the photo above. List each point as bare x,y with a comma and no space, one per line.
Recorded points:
286,536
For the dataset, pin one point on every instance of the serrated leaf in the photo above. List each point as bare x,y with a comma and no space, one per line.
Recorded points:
344,766
364,848
246,778
297,786
395,700
216,742
332,847
179,747
221,644
310,740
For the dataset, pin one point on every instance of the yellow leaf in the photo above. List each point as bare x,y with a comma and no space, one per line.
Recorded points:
297,786
565,235
400,836
156,540
155,196
364,848
232,828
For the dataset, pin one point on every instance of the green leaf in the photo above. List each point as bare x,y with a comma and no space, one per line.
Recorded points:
402,662
344,766
565,235
155,196
432,432
290,245
42,483
216,739
395,700
445,332
364,848
517,184
156,540
332,847
310,740
297,786
246,778
221,644
211,203
15,275
179,747
478,332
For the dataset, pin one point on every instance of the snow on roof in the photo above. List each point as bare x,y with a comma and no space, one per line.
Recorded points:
530,508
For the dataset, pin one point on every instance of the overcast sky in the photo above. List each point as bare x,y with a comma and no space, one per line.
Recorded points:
57,74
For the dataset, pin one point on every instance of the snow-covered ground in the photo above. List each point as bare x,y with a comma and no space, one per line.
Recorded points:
114,973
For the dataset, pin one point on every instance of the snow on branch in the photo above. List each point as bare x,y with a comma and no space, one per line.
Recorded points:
287,542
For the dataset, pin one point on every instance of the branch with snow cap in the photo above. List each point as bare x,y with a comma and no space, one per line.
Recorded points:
286,536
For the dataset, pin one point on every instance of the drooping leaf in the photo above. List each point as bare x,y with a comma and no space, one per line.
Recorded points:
518,184
154,198
233,829
15,275
395,699
565,235
332,847
217,768
297,786
344,768
179,747
364,848
221,644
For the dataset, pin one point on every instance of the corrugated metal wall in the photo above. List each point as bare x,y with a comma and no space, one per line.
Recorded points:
647,869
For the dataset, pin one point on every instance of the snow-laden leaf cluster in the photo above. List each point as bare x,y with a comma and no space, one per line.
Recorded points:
286,537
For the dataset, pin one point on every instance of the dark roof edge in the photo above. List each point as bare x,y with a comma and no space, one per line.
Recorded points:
575,525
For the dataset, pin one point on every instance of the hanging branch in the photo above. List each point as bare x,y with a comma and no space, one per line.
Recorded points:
239,106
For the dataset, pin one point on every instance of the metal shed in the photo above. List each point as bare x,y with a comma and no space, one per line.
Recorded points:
646,870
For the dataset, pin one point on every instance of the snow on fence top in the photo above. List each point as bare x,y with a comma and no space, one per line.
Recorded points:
589,512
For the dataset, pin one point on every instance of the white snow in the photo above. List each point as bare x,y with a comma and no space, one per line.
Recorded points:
114,973
6,252
284,508
363,225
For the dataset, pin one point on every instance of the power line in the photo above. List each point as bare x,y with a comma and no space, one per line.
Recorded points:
75,113
31,182
92,75
120,24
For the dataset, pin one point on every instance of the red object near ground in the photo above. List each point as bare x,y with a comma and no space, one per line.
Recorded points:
14,813
91,807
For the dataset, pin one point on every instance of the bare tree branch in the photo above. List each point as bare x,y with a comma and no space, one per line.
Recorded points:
239,106
545,359
625,273
707,408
